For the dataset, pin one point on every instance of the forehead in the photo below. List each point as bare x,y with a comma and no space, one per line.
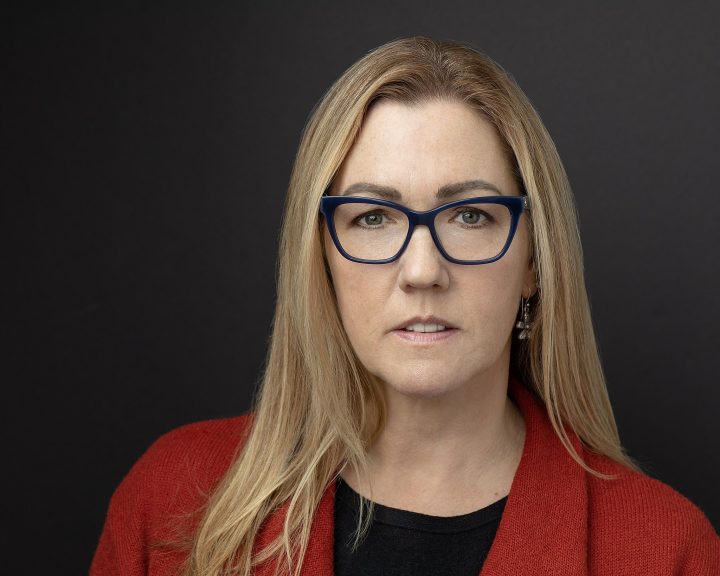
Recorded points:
421,148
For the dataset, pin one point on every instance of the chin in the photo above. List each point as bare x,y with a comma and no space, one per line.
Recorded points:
425,385
433,379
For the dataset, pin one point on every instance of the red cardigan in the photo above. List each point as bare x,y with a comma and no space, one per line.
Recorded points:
558,519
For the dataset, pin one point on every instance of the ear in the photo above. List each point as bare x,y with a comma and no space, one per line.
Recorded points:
530,284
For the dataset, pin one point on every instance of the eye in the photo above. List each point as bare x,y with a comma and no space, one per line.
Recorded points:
471,216
373,219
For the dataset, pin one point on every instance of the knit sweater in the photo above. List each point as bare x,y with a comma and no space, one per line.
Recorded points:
558,519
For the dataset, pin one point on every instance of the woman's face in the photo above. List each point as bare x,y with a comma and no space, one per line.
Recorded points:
417,150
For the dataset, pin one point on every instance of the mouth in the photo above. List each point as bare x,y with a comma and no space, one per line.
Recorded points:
420,327
427,324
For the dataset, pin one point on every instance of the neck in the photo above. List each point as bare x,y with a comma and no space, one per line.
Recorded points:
447,455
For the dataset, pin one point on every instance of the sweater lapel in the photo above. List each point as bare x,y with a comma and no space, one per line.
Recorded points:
318,560
544,528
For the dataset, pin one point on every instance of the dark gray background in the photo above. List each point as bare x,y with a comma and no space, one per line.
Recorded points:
148,150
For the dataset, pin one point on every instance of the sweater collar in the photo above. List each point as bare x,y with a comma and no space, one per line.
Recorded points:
544,525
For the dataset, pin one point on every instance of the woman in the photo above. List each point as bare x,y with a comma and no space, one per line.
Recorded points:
433,401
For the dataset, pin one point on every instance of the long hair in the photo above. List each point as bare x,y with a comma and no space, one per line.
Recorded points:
318,409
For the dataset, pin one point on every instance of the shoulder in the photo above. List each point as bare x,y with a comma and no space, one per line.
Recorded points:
159,500
184,464
635,516
631,497
197,448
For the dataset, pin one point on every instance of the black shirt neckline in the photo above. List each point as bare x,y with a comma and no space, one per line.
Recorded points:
346,496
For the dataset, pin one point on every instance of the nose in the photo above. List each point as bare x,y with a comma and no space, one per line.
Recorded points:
421,264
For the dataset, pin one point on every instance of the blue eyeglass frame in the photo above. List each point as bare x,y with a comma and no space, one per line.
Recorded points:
516,204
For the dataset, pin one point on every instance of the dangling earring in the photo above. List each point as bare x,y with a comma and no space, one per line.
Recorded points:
524,323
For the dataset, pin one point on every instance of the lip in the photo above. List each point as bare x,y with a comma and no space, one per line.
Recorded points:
425,337
425,320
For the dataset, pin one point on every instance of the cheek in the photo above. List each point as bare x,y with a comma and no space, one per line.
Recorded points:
360,296
491,292
489,300
357,296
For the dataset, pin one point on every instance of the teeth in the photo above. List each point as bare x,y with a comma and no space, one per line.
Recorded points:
425,328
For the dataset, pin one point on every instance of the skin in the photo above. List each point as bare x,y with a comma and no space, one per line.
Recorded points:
453,439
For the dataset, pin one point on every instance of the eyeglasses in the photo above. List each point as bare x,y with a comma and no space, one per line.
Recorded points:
470,231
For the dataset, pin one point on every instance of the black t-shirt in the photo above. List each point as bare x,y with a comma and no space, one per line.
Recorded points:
401,542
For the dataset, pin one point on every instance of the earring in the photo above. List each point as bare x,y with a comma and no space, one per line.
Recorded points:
524,323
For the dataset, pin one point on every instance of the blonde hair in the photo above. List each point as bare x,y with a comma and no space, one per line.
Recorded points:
318,409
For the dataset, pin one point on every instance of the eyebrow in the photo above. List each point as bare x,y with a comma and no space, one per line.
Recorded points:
447,191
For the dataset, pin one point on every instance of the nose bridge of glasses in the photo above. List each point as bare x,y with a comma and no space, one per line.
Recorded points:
423,218
425,221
